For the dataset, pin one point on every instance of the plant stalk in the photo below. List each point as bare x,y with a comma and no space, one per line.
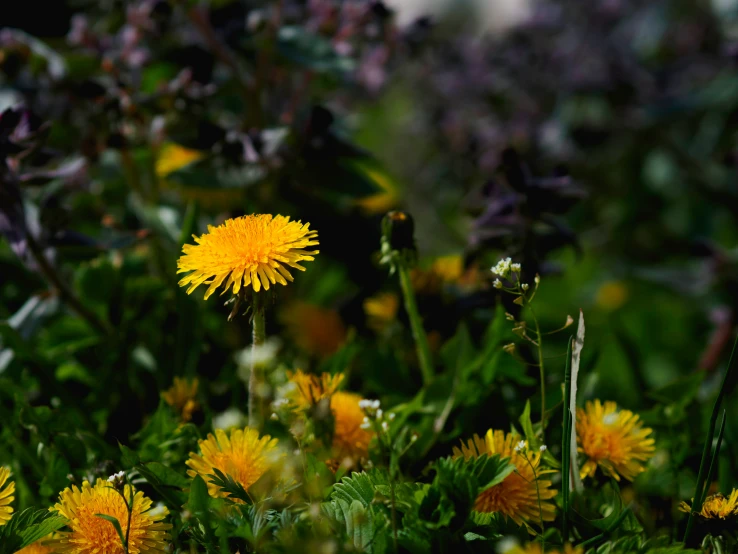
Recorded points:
256,401
416,324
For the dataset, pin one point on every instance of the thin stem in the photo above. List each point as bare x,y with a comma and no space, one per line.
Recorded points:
714,461
539,347
701,475
538,495
258,322
64,291
416,324
566,445
130,513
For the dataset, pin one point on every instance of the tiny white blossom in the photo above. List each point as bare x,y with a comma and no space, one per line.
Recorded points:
365,425
543,448
497,284
375,404
537,279
274,417
525,286
391,417
385,426
379,414
116,476
515,268
364,404
502,268
520,446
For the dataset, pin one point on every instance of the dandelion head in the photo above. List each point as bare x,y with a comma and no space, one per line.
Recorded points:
350,438
6,495
517,496
181,397
613,440
90,534
316,330
716,507
241,454
381,310
309,389
42,546
251,250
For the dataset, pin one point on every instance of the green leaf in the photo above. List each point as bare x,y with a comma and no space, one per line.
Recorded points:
27,527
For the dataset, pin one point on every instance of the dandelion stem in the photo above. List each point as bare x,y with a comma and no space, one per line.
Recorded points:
702,474
258,322
566,446
416,324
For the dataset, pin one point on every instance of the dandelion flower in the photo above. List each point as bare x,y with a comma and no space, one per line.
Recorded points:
716,506
42,546
443,270
381,310
6,495
613,440
240,454
316,330
173,157
181,397
91,534
350,440
535,548
309,389
517,496
249,250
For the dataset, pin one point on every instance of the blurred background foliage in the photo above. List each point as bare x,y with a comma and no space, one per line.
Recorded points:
594,142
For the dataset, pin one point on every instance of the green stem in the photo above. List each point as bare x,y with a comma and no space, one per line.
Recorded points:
256,401
702,474
416,324
566,445
542,374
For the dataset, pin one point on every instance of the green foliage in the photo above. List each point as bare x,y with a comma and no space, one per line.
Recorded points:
27,527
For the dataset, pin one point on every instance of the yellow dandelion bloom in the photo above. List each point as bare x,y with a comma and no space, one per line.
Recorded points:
517,496
94,535
249,250
349,439
716,506
6,495
443,270
42,546
535,548
381,310
240,454
181,397
316,330
613,440
309,389
173,157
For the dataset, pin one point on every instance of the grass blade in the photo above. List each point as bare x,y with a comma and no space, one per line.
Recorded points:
566,444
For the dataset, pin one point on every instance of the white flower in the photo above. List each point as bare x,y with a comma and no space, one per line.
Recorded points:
502,268
391,416
537,279
497,284
379,414
116,476
543,448
506,544
232,417
515,268
385,426
520,446
364,404
525,286
365,425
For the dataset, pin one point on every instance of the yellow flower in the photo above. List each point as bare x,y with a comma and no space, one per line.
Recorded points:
716,506
91,534
518,495
535,548
248,250
42,546
349,439
6,495
181,397
443,270
611,295
316,330
612,439
383,201
173,157
309,389
240,453
381,310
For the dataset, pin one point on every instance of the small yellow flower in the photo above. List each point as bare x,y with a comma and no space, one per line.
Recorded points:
349,439
94,535
42,546
309,389
518,495
173,157
240,454
443,270
316,330
535,548
249,250
181,397
716,506
613,440
381,310
611,295
6,496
